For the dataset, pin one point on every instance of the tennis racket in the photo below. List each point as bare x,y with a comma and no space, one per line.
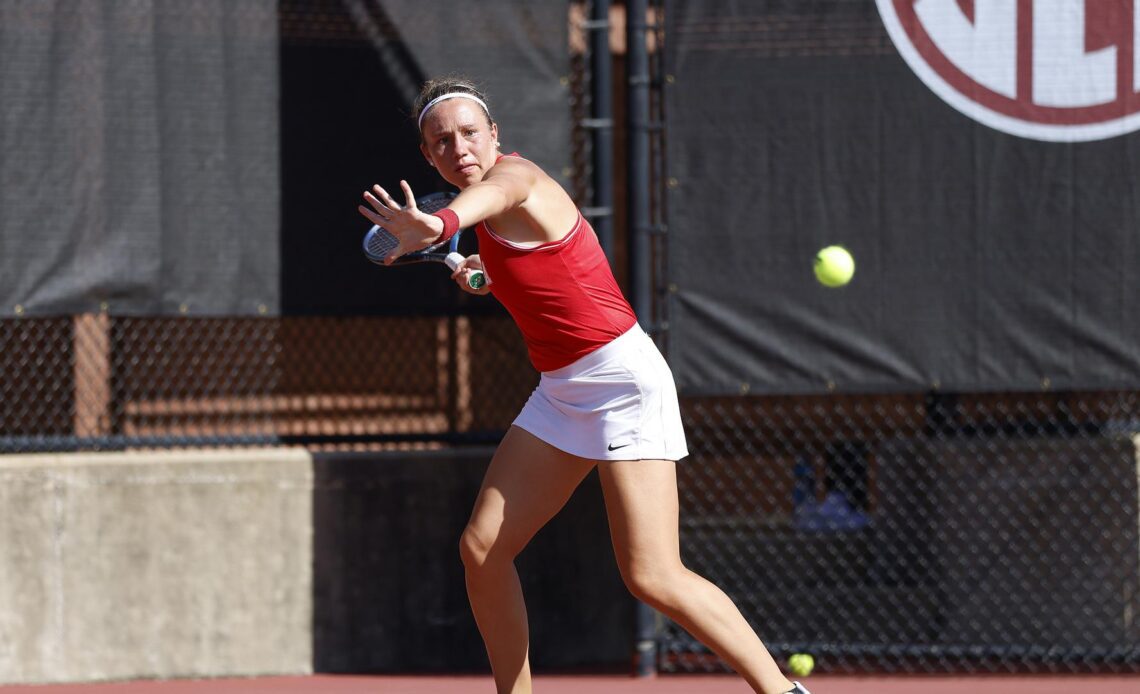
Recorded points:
378,243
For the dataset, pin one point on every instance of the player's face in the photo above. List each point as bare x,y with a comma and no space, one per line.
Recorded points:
459,142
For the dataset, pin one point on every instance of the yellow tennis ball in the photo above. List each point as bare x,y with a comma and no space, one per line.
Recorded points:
801,664
834,266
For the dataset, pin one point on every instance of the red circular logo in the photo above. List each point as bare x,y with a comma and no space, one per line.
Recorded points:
1057,70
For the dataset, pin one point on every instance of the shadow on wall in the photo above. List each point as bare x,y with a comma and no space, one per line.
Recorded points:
388,590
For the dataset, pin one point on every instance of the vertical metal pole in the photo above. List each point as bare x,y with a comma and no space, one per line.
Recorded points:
601,114
637,71
640,288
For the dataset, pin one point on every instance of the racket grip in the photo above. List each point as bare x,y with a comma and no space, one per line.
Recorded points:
475,280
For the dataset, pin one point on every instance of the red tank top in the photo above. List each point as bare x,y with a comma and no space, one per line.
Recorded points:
562,294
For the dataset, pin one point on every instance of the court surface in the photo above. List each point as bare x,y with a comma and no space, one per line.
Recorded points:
579,684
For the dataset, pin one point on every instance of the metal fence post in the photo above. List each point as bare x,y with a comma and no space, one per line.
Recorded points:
601,124
640,288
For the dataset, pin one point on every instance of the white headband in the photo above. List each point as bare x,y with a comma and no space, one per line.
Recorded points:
445,97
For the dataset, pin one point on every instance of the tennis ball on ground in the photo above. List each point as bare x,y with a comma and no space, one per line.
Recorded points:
801,664
834,266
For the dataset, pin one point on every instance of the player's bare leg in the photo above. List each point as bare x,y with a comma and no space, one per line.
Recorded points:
642,506
527,482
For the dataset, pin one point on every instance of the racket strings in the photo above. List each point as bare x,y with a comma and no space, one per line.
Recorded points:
380,242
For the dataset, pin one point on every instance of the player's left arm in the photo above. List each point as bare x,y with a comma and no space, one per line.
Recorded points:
462,275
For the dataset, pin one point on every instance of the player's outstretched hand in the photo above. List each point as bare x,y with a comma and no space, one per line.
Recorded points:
414,229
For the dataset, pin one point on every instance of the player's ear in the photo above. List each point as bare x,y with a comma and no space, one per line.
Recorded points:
424,151
495,133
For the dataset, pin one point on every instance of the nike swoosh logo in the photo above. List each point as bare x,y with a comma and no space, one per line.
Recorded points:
612,447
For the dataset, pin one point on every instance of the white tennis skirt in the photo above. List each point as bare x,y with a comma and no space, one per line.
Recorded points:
618,402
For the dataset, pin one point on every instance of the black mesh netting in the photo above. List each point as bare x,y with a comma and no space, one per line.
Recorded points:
967,532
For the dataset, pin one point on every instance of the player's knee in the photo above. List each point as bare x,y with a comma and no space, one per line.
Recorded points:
653,585
477,549
473,550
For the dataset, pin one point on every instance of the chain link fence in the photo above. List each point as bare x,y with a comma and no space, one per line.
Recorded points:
904,532
919,533
97,381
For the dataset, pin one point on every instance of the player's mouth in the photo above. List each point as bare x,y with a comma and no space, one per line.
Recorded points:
466,169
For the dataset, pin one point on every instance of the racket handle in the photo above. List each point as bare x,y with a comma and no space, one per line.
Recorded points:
475,280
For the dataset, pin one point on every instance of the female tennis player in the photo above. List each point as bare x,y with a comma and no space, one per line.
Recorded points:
605,399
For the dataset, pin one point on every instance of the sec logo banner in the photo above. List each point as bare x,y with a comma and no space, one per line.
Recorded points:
1055,70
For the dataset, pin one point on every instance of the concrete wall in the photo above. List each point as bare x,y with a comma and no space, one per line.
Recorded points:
247,562
155,564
